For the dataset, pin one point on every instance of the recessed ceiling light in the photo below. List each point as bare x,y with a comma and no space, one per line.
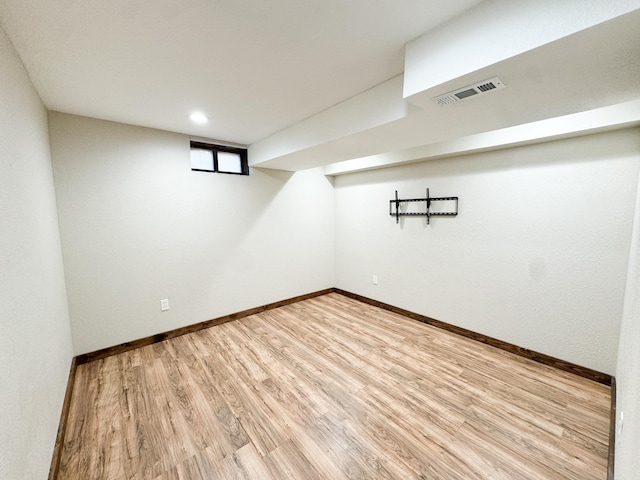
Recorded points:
199,118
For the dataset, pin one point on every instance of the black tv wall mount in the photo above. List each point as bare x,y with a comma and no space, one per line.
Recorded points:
426,213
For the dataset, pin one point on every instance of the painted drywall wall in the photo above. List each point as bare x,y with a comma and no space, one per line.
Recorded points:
139,226
537,255
628,369
35,344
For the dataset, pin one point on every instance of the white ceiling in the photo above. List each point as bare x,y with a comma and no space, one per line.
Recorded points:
570,67
253,66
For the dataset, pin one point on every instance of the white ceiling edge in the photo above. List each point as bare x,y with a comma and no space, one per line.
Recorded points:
393,135
624,115
377,106
494,31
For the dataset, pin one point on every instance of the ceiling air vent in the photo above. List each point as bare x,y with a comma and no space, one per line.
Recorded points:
469,91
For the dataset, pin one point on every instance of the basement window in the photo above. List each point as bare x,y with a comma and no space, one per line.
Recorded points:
209,157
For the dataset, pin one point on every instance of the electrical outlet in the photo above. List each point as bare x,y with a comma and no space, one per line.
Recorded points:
620,423
164,304
375,279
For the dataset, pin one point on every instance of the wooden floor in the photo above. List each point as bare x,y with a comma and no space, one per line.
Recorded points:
330,388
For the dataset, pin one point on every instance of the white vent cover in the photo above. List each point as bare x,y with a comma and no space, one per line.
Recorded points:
469,91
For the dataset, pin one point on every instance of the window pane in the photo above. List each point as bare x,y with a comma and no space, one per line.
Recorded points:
229,162
201,159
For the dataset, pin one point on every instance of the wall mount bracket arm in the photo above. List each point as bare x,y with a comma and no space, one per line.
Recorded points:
427,213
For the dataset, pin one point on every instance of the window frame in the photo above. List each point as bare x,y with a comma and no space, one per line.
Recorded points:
214,149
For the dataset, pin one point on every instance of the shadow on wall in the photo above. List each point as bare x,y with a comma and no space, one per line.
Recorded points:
282,176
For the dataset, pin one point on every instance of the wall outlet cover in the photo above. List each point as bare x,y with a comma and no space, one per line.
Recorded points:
164,304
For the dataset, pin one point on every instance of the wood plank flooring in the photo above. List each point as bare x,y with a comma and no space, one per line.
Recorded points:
331,388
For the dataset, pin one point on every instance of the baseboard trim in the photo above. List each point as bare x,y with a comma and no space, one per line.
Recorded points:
612,432
564,365
159,337
494,342
62,426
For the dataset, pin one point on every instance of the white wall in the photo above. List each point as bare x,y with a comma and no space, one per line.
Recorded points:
536,257
139,226
628,369
35,344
